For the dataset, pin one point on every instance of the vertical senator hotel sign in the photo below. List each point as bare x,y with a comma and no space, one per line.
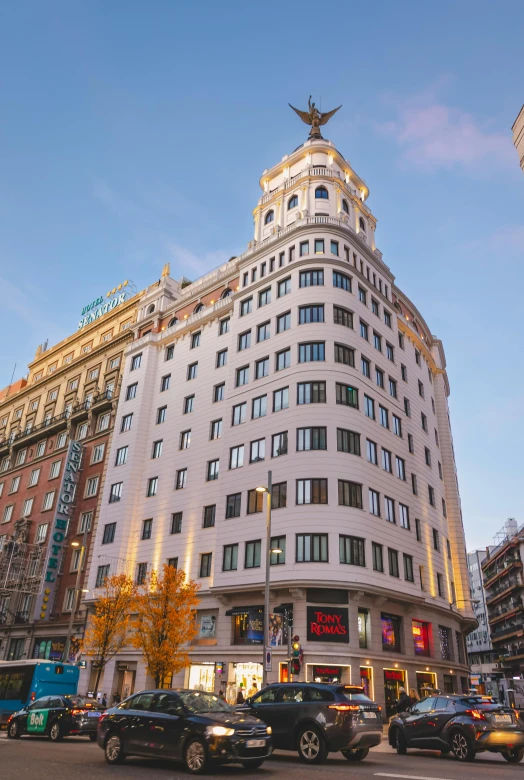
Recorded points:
58,532
327,624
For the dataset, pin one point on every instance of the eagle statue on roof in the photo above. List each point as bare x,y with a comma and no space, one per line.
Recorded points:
314,117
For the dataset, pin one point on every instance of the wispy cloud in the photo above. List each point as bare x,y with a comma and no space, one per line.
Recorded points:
434,135
506,240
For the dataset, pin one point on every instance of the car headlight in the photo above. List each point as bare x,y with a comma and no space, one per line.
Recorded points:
269,730
220,731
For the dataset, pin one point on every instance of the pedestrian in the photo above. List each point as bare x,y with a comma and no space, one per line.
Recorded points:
99,697
240,695
116,698
413,696
221,695
403,700
104,700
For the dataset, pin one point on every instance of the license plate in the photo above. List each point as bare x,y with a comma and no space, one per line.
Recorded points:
94,714
255,743
502,718
369,714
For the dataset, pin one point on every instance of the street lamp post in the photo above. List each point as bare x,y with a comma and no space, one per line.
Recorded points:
78,590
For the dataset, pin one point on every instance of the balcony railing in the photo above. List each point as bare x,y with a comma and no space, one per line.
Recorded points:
21,617
514,582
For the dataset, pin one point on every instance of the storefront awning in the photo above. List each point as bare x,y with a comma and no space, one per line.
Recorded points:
243,610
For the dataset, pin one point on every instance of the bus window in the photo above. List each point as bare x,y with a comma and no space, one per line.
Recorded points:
4,677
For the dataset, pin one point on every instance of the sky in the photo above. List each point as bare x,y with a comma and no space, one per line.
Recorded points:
134,134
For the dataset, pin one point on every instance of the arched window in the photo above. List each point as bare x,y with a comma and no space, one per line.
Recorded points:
172,322
150,309
270,216
321,192
345,206
362,224
198,308
292,202
227,292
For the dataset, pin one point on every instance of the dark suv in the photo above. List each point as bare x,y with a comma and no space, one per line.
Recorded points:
315,718
464,725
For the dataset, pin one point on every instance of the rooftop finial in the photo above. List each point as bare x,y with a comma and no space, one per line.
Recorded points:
314,118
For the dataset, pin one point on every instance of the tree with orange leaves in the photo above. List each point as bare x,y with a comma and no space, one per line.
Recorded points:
165,624
108,626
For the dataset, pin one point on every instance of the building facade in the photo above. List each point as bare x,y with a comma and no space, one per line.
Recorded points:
518,136
55,430
504,586
303,357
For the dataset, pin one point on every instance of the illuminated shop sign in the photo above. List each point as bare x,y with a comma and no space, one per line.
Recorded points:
97,308
57,537
392,674
327,671
327,624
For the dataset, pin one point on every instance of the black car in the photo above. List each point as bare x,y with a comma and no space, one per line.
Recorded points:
195,727
316,718
56,717
464,725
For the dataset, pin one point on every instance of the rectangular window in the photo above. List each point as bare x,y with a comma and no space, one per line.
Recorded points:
312,491
15,482
424,422
41,533
311,393
173,562
244,340
284,322
279,444
393,562
377,341
157,449
408,568
141,573
259,407
386,460
420,389
136,362
342,281
346,395
257,451
115,492
313,313
236,457
427,455
311,548
374,303
383,416
252,554
208,520
311,352
319,246
411,445
378,559
397,425
414,485
233,503
281,399
216,430
98,453
304,248
239,414
369,407
102,573
390,352
127,421
401,468
379,376
364,331
279,495
195,340
392,387
192,371
131,391
362,295
85,522
431,495
311,439
264,297
246,306
223,327
185,440
161,414
152,486
444,509
403,513
389,506
219,392
262,368
349,494
407,407
436,540
284,287
348,441
311,278
230,559
221,359
365,366
374,502
352,550
278,550
283,359
263,332
213,469
176,523
334,247
345,355
342,316
27,507
49,497
164,383
403,372
170,352
387,318
440,585
8,513
372,452
418,530
147,528
181,479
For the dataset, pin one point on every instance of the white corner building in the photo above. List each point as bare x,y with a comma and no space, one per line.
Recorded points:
302,357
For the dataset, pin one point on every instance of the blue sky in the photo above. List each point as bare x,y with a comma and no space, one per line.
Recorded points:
134,133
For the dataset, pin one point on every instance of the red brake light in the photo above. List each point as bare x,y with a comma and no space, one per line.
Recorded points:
103,716
344,707
475,714
33,695
78,712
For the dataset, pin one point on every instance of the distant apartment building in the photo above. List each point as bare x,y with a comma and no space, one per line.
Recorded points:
518,136
55,430
504,587
478,642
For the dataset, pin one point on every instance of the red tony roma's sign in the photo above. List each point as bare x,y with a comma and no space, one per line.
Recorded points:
327,624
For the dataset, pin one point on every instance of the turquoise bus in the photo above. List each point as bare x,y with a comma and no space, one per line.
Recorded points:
21,682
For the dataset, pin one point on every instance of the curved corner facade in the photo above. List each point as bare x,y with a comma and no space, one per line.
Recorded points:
301,357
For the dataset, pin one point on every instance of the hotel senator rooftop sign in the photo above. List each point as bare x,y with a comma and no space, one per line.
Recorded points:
97,308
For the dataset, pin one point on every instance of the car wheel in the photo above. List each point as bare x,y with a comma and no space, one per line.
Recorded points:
462,747
113,749
13,732
195,757
252,764
311,746
55,732
399,741
92,737
514,756
355,755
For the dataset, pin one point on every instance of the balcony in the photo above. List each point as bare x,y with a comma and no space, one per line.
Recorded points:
50,425
504,590
103,400
509,565
516,630
80,411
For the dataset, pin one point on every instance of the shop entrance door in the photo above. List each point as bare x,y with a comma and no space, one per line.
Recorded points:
365,680
426,684
449,683
393,680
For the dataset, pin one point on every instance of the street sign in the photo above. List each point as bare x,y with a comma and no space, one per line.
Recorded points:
268,660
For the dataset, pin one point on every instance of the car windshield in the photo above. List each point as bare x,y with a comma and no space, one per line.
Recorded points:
199,701
353,693
80,701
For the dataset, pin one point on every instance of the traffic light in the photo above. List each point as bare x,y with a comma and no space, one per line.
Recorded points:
296,655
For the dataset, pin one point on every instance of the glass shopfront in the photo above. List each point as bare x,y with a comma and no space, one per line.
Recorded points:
393,680
420,632
245,678
202,677
391,630
426,684
366,680
326,673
